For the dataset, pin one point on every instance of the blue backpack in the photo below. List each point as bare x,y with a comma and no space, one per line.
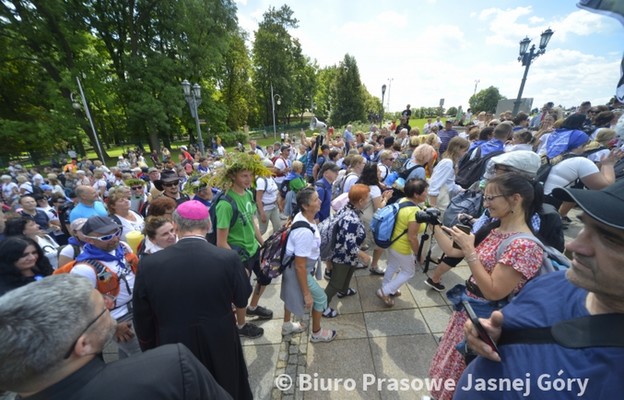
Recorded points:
384,221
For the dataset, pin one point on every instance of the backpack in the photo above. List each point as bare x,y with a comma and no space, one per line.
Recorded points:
329,232
470,169
212,235
467,202
284,188
552,259
273,252
404,172
544,170
338,185
384,221
107,281
74,246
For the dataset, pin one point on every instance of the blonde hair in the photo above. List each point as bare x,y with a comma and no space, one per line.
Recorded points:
297,166
423,154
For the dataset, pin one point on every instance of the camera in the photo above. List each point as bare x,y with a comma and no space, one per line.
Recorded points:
428,216
465,219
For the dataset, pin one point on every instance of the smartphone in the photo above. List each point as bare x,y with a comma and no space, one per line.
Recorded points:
463,228
482,332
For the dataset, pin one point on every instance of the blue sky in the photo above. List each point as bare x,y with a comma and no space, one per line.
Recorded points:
433,49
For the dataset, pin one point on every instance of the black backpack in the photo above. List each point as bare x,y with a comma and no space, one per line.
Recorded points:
212,235
544,170
405,172
470,170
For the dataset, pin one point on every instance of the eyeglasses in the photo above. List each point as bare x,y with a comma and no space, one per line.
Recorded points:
171,184
490,198
83,332
137,187
108,237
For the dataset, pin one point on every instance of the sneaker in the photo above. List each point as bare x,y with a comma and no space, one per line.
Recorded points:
360,265
377,271
251,331
327,274
324,335
289,328
435,286
260,312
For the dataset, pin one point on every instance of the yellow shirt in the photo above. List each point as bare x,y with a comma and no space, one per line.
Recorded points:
404,217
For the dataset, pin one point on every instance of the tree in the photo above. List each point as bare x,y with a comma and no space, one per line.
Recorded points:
486,100
273,57
349,101
451,112
237,91
325,97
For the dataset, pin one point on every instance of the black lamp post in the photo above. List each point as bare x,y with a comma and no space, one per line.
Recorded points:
193,98
383,93
526,57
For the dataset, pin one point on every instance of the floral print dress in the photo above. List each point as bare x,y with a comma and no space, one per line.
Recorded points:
523,255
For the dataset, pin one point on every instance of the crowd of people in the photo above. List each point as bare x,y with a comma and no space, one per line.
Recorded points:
157,256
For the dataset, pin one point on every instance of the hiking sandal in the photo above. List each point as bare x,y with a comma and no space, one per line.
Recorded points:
330,313
324,335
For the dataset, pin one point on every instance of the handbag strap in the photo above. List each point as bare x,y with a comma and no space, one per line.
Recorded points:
604,330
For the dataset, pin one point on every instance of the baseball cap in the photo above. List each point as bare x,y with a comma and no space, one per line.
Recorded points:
606,205
192,209
285,148
77,224
328,165
98,224
152,169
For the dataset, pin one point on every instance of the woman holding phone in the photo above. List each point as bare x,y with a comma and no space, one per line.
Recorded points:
512,199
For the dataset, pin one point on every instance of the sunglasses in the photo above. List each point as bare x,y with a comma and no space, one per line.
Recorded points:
137,187
108,237
171,184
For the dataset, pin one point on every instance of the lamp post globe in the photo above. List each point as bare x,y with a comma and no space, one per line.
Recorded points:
526,56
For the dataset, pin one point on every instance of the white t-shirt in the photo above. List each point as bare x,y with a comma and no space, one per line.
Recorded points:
567,171
597,156
375,192
269,196
8,189
383,172
123,298
282,165
128,225
302,242
98,185
349,181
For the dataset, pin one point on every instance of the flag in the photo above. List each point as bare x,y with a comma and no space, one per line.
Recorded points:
615,9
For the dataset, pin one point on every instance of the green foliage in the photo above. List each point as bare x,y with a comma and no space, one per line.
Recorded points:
451,112
234,162
237,90
486,100
232,138
349,101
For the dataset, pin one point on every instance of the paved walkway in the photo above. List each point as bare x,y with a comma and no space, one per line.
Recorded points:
376,346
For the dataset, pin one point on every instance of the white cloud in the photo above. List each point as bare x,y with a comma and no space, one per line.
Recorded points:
581,23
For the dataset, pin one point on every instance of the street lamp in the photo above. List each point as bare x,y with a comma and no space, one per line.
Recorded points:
475,89
193,98
526,57
275,98
383,93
